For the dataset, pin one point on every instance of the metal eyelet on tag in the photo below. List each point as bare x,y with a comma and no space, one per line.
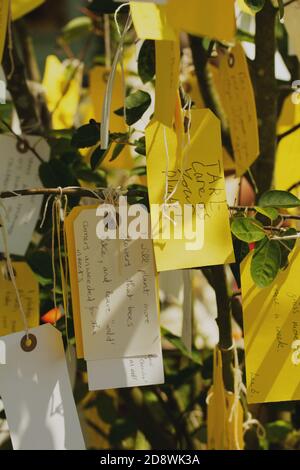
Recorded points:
231,60
22,146
28,343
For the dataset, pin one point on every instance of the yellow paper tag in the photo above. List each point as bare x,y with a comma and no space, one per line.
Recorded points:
239,103
98,80
62,88
212,18
287,170
69,223
167,80
20,8
272,334
224,432
151,22
202,183
10,317
4,4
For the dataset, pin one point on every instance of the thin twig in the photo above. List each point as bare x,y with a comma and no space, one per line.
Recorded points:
23,141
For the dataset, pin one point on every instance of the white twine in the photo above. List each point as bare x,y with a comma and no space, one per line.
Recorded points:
105,120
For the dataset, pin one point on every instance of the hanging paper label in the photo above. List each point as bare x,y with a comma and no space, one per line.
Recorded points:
272,334
4,9
239,103
212,18
10,319
224,417
116,290
36,392
19,171
167,80
151,21
126,372
199,234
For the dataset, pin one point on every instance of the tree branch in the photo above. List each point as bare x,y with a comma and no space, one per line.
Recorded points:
224,324
266,96
16,84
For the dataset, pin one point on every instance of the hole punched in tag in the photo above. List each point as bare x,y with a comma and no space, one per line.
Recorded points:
22,146
28,342
231,60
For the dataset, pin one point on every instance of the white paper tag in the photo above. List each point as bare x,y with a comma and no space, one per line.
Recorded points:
117,291
20,171
36,392
126,372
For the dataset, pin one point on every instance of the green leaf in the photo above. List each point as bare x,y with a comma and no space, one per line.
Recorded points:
269,212
116,152
176,341
84,172
86,135
56,173
279,199
106,408
98,156
140,146
139,170
122,429
277,431
281,8
77,28
41,263
255,5
146,61
245,36
286,246
136,105
247,229
265,262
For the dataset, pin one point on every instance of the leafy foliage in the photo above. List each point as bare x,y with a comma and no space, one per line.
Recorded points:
266,262
146,61
136,105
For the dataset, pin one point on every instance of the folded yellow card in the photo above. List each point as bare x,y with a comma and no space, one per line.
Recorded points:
11,319
189,213
272,334
224,415
4,8
239,103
